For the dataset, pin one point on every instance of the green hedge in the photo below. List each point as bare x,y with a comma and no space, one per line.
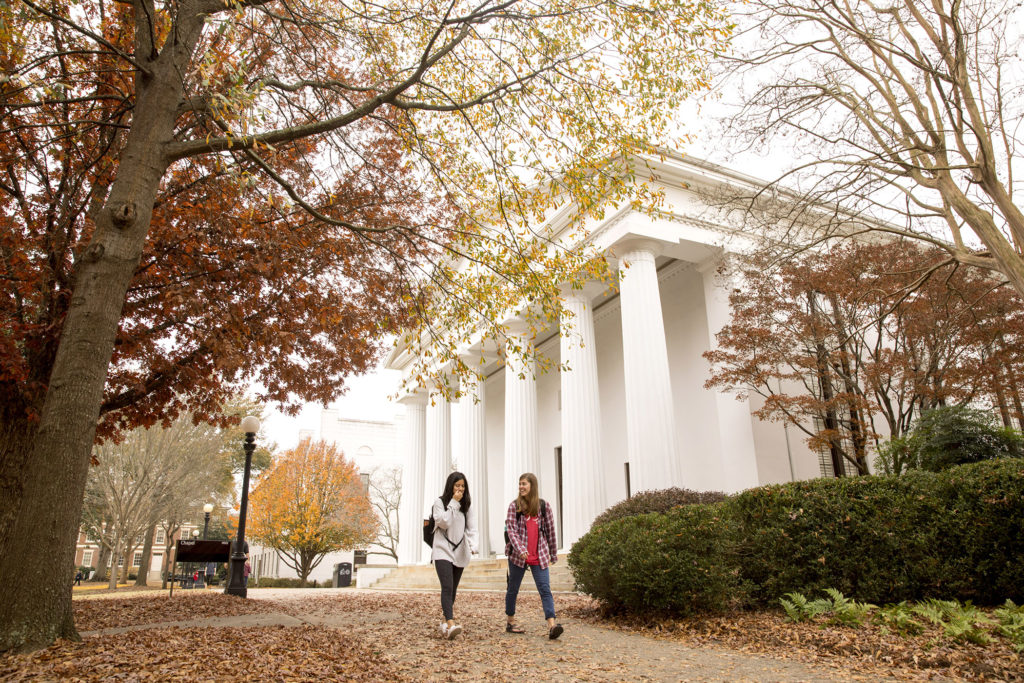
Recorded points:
954,534
661,500
267,582
675,561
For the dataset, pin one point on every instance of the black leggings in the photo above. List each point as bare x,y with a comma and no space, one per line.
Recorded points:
449,576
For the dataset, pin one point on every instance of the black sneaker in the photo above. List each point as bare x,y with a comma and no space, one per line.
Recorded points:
555,631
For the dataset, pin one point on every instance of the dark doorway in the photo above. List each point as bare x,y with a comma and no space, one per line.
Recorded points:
629,494
558,492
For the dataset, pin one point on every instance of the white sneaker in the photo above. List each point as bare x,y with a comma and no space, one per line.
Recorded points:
455,630
444,630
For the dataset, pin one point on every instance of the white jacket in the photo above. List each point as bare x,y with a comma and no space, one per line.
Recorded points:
457,526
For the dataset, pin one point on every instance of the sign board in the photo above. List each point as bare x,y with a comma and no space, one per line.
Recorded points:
188,550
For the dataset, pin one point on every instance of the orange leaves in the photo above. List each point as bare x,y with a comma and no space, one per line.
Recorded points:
311,502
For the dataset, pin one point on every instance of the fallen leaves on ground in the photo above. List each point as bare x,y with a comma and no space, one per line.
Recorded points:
222,654
394,636
93,615
867,649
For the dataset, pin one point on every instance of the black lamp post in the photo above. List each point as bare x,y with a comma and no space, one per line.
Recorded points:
207,509
236,571
198,583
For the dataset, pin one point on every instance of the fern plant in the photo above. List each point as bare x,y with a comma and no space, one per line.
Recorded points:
847,611
899,618
842,611
799,608
962,623
1011,624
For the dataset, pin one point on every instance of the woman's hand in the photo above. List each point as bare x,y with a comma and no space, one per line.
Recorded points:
457,494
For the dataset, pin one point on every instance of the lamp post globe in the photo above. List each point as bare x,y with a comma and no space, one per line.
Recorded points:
236,571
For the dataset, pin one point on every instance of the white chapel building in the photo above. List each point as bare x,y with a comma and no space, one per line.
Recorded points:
632,414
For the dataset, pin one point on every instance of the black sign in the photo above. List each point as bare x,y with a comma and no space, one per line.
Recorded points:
203,551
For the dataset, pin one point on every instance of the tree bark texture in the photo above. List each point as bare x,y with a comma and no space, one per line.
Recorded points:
147,555
44,529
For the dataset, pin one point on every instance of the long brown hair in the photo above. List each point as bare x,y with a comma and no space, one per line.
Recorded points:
530,505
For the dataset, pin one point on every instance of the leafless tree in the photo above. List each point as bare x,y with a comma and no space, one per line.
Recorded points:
385,496
149,475
905,113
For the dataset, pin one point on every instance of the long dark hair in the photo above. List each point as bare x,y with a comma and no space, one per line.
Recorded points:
449,491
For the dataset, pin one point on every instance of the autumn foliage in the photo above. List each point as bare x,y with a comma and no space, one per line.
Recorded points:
309,503
853,343
196,195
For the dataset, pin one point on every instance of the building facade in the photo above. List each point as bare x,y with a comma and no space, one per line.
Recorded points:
87,551
631,413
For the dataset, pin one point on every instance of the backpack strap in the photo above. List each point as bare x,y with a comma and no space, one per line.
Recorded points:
455,546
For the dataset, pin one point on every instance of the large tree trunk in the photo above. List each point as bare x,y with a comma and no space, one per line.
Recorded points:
115,567
101,567
166,569
16,433
37,607
147,556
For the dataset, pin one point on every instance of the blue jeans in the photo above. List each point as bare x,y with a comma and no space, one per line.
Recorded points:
542,581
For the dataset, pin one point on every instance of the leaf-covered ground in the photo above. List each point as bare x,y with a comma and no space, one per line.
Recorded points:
293,635
868,649
111,612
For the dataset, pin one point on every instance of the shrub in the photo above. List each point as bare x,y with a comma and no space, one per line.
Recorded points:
946,437
954,534
661,500
950,535
867,537
267,582
676,562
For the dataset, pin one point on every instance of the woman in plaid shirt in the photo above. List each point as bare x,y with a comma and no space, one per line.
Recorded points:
531,543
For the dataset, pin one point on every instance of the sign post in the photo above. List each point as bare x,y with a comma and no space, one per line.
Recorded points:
192,550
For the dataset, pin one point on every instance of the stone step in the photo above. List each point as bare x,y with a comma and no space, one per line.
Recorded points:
486,574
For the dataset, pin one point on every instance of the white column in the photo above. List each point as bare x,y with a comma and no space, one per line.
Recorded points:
439,450
472,457
522,443
735,428
650,418
583,488
410,538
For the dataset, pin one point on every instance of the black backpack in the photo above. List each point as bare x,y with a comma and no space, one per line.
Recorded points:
518,515
428,530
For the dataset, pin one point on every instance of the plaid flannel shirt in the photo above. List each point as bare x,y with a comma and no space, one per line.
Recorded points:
547,544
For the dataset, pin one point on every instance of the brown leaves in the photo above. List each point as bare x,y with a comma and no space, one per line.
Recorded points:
223,654
98,613
365,635
869,652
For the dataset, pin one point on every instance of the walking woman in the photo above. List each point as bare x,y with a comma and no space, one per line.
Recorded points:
531,544
454,542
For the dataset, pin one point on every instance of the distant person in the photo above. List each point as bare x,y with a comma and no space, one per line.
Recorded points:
530,525
454,543
246,570
78,578
211,569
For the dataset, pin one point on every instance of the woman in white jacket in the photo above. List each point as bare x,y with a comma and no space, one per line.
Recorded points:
454,543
